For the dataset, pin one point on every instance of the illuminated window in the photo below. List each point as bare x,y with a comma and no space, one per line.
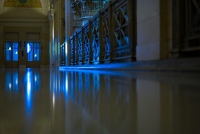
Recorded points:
36,51
30,51
15,51
11,51
33,51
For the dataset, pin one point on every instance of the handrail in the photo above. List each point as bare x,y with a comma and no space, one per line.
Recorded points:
104,38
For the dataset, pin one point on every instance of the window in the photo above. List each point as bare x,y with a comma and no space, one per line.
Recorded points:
33,51
15,51
36,51
11,51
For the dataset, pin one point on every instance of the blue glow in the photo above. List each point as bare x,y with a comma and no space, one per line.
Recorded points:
31,82
28,48
29,52
11,51
53,99
33,51
36,51
27,83
8,81
66,85
10,86
28,91
8,52
11,82
36,78
15,81
65,48
15,51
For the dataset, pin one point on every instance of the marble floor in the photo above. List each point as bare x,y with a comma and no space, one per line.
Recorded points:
35,101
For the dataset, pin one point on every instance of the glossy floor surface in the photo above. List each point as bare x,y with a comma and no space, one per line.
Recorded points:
99,102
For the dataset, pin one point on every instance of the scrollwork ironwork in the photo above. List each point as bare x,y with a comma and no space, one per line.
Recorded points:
105,37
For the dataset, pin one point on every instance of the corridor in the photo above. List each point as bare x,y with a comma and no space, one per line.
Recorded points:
43,101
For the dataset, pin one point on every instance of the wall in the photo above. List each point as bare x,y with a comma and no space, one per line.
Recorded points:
25,19
23,36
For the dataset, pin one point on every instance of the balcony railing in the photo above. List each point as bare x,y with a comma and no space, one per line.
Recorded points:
104,38
84,10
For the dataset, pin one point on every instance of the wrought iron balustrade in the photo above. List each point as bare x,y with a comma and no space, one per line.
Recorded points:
84,10
186,28
104,38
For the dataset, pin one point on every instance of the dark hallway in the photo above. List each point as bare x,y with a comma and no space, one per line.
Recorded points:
34,101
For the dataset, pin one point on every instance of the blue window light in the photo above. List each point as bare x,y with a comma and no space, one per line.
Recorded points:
33,51
11,51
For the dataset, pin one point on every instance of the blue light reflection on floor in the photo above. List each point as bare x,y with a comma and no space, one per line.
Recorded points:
28,79
95,91
58,84
11,82
24,81
8,81
100,102
64,84
87,85
36,82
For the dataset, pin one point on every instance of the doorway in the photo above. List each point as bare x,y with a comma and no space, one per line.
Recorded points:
32,54
29,54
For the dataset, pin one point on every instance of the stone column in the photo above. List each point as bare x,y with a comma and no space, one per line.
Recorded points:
68,26
51,41
132,26
45,47
153,27
58,27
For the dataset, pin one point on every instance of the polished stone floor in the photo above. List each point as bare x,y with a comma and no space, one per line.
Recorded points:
98,102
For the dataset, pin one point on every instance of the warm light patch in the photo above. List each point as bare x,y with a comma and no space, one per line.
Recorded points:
23,3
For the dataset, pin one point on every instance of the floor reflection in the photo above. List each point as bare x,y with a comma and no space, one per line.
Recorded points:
106,103
27,81
11,81
98,102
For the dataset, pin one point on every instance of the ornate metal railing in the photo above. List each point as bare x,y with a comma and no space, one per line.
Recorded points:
84,10
62,53
186,28
104,38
